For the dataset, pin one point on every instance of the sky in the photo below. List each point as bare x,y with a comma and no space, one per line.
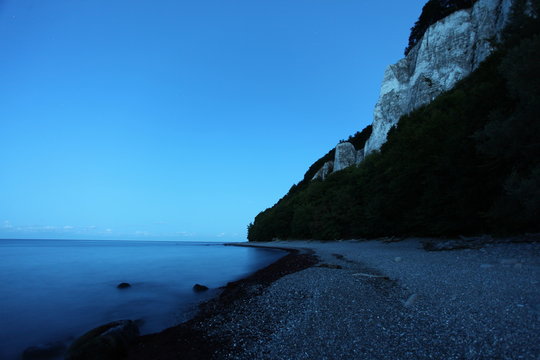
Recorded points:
176,119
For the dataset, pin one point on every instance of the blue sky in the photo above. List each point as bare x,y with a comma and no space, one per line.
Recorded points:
178,120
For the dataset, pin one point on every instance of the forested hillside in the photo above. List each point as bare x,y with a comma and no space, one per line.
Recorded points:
467,163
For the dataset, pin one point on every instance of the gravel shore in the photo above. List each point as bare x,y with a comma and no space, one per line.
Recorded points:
375,300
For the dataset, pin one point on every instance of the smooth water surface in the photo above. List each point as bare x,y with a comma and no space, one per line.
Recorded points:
55,290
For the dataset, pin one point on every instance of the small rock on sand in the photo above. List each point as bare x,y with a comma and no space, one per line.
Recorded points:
330,266
509,261
411,300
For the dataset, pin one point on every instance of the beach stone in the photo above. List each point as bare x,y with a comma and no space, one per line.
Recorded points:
455,244
411,300
199,288
44,351
330,266
509,261
123,285
106,342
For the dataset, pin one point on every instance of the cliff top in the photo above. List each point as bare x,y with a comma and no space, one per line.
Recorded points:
433,11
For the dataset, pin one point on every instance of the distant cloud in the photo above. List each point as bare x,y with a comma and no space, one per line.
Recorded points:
184,233
7,229
6,225
221,234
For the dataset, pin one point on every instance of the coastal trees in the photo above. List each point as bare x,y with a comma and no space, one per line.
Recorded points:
511,140
467,163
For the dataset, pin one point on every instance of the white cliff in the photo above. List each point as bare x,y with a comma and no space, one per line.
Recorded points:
323,172
448,51
359,156
345,156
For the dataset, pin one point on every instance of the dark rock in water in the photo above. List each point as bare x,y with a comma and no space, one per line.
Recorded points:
45,351
107,342
199,287
123,285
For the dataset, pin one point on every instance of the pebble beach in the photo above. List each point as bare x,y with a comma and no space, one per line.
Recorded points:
370,300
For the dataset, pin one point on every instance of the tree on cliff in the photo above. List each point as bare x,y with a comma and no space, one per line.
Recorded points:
433,11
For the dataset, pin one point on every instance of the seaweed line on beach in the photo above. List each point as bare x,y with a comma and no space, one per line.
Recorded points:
191,340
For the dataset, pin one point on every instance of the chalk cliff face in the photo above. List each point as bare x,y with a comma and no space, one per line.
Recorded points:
345,156
449,50
323,172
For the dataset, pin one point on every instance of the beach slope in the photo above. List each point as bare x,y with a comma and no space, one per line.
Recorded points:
376,300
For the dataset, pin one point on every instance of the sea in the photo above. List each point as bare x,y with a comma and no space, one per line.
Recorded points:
52,291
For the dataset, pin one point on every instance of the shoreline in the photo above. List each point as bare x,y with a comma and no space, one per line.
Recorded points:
369,299
187,341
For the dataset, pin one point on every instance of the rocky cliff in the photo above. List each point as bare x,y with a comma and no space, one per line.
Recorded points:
449,50
345,154
465,163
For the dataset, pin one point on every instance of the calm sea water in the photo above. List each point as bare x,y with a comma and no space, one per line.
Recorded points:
55,290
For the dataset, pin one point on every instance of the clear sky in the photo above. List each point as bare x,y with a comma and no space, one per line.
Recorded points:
177,119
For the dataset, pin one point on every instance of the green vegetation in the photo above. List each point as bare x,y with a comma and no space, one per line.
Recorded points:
433,11
467,163
358,140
